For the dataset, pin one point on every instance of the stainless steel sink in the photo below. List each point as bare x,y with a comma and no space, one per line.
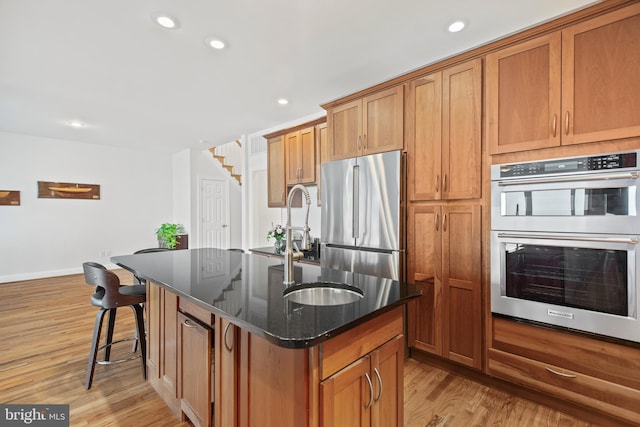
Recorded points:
323,293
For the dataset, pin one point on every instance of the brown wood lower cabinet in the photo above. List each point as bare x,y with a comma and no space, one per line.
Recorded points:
444,260
194,361
602,375
366,393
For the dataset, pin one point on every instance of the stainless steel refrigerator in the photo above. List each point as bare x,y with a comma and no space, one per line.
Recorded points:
361,215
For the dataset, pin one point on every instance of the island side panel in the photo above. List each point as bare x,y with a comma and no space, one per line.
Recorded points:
274,384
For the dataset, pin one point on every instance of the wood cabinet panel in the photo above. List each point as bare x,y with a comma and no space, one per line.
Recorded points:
600,84
618,401
373,124
424,137
226,374
344,396
444,243
368,392
573,86
345,130
461,131
276,181
194,360
444,138
300,156
424,253
523,96
383,120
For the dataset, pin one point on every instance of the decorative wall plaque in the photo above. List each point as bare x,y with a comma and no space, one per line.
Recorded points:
9,198
67,190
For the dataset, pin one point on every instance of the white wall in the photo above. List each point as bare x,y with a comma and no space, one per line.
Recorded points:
50,237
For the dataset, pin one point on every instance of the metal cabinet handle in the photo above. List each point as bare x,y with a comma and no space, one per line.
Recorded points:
188,324
224,338
444,222
560,374
437,183
554,125
375,370
368,405
364,141
359,142
566,123
436,220
444,183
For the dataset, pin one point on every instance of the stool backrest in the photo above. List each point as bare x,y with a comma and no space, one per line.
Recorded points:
97,275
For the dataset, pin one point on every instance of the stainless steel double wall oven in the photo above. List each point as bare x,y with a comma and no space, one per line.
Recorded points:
564,243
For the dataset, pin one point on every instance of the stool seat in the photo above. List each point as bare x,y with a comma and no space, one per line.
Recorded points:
110,295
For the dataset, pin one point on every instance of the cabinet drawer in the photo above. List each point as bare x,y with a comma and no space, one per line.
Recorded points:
610,398
202,314
348,347
612,362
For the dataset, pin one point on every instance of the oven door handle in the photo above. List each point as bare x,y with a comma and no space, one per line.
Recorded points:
571,178
631,240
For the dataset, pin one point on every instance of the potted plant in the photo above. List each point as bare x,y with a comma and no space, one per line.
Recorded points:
167,235
277,232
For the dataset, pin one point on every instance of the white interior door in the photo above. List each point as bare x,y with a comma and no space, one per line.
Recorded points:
214,213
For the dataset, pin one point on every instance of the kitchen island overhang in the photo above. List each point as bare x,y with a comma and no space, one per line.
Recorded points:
247,290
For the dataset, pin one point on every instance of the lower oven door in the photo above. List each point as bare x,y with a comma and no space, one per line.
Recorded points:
585,282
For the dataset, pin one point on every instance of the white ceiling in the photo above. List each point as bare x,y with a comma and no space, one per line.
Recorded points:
135,84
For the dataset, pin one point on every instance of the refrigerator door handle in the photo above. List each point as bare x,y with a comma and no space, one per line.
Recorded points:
356,202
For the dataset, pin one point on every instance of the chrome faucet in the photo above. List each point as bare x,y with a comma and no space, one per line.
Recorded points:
289,255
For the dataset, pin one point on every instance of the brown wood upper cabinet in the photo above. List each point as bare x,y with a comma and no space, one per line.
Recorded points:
300,156
572,86
443,130
276,185
373,124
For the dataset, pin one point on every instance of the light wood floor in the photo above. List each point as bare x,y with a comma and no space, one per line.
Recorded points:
45,334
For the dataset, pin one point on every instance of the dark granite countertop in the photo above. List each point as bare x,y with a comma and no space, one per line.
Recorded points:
309,256
247,290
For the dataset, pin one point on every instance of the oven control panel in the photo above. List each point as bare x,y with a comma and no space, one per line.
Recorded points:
569,165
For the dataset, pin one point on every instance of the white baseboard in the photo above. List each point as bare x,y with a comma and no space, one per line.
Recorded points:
50,273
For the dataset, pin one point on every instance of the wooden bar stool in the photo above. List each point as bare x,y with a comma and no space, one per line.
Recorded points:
109,296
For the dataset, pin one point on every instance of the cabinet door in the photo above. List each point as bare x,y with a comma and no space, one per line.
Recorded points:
152,307
387,376
424,137
346,397
600,78
276,172
194,355
292,149
321,156
424,259
345,130
461,131
226,374
461,246
307,153
383,121
523,96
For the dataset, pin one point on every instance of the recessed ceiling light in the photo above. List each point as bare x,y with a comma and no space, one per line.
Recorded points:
165,20
283,101
215,43
76,124
456,26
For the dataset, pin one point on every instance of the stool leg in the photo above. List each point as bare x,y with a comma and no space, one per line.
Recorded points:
110,326
93,354
142,337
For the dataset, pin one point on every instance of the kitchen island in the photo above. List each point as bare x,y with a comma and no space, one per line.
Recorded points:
225,345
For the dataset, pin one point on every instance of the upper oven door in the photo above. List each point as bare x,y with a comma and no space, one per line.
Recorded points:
604,202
